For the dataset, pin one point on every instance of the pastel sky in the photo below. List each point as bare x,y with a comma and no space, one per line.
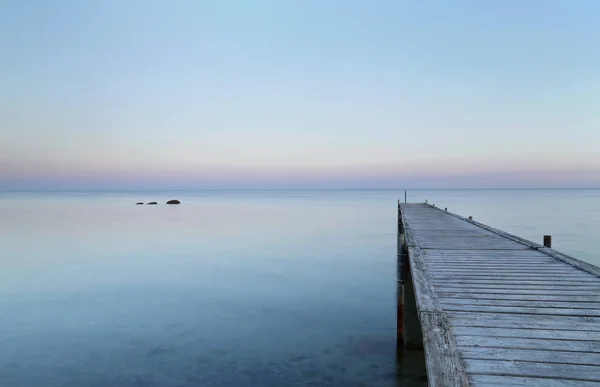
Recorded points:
299,93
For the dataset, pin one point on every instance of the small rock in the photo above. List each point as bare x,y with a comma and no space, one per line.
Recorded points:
138,203
152,203
174,201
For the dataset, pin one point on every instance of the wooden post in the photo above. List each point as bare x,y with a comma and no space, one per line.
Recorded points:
400,285
400,228
445,208
413,337
399,312
405,197
548,241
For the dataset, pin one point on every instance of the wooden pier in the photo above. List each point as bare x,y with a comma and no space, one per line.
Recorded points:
493,309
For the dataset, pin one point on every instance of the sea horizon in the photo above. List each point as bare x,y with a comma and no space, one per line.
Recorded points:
301,189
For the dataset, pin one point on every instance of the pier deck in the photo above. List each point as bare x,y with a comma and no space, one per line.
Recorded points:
495,309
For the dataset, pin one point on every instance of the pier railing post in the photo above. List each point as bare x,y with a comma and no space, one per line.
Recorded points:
548,241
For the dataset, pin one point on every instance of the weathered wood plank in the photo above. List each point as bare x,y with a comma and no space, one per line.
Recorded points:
504,269
518,303
522,310
551,334
521,297
548,292
534,263
509,283
537,344
544,356
488,254
438,269
500,262
572,261
424,290
514,277
555,254
566,288
503,381
544,370
442,358
498,320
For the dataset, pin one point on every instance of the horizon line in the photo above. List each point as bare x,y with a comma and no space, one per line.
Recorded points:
302,189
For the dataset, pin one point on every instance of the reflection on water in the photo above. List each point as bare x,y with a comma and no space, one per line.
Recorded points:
229,288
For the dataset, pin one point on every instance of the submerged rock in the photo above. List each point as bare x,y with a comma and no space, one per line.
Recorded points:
152,203
138,203
174,201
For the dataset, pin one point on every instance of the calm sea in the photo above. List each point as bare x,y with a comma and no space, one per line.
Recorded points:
232,288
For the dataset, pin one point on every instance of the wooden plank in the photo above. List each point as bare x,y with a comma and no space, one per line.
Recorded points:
499,320
566,288
495,276
504,274
503,381
592,269
535,263
509,283
522,297
424,290
552,334
529,303
515,238
544,370
515,354
442,358
523,343
509,268
483,269
489,254
588,267
548,292
522,261
438,268
522,310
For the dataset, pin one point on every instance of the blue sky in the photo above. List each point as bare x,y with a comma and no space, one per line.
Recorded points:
299,93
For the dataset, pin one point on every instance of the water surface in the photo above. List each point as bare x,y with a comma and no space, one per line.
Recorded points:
233,288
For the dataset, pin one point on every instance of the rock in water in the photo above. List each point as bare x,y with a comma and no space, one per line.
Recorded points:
138,203
153,203
174,201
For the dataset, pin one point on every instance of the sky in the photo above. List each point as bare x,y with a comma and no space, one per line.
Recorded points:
148,94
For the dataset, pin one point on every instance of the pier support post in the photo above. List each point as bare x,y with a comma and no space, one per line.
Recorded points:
413,337
548,241
400,315
400,284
